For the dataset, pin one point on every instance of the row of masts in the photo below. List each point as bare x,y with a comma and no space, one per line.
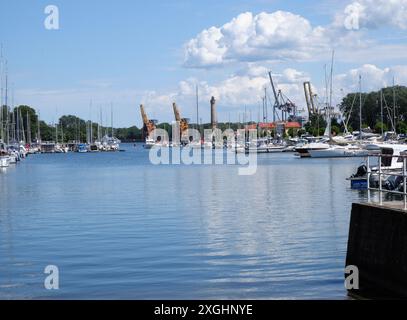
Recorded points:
99,129
313,108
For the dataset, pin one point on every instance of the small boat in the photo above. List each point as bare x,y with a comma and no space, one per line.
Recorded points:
391,164
59,149
95,147
109,143
82,148
149,143
4,159
4,162
358,181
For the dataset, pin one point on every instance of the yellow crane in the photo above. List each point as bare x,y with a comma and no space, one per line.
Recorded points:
183,123
148,125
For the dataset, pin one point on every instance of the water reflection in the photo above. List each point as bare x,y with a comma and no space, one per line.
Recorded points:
119,227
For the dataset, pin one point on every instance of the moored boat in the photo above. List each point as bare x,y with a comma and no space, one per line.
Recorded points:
338,152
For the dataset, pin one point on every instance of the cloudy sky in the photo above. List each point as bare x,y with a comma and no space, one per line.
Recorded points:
128,52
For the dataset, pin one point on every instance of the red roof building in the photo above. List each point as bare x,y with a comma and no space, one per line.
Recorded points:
273,125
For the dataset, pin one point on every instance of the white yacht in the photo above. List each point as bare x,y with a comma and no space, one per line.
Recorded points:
304,151
339,152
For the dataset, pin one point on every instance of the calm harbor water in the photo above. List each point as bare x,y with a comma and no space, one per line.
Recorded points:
119,227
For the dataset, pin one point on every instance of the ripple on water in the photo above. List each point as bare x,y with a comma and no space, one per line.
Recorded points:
118,227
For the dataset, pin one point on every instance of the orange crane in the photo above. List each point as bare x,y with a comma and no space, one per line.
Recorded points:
183,123
148,125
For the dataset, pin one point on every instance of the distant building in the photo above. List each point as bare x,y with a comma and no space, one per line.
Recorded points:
279,127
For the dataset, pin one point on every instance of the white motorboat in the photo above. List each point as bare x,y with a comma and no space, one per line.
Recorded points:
59,149
391,163
339,152
12,158
304,151
4,160
264,146
149,143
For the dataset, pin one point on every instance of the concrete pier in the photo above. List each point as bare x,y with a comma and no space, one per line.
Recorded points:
377,246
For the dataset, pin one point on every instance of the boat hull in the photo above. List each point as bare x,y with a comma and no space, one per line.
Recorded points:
358,183
338,153
4,162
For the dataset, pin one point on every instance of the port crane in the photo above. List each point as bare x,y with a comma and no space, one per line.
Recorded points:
183,123
289,110
310,99
148,125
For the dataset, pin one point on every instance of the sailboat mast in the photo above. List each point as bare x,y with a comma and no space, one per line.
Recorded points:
99,124
20,126
360,106
38,129
111,118
381,110
7,109
197,108
394,107
17,111
331,93
1,93
90,124
28,129
326,101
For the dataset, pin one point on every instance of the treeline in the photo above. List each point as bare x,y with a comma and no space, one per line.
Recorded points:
392,100
23,124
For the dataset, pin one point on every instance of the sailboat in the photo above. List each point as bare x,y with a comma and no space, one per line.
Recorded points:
334,150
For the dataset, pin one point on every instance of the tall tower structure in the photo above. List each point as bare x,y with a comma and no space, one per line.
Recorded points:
214,121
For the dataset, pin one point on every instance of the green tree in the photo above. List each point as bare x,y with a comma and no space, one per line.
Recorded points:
27,115
401,127
316,125
379,126
371,107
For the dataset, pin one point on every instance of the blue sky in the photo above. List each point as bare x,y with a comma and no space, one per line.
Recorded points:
129,52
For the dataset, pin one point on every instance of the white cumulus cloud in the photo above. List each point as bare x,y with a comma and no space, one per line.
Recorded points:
266,36
373,77
376,13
